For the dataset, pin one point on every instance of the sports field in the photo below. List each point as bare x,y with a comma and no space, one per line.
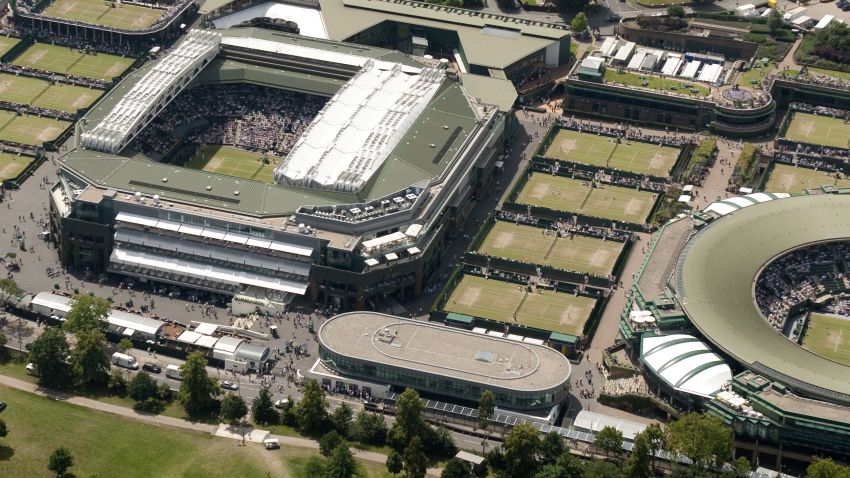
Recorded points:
234,162
71,61
573,195
822,130
32,130
526,243
32,91
788,179
506,302
108,14
6,44
829,337
11,165
595,150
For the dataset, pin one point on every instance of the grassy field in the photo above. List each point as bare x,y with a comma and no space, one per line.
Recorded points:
510,303
829,337
32,130
628,78
71,61
842,75
32,91
754,76
234,162
822,130
100,12
7,43
572,195
11,165
526,243
788,179
108,445
586,148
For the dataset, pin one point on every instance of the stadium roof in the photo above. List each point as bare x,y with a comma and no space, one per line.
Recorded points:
444,351
491,91
717,271
685,363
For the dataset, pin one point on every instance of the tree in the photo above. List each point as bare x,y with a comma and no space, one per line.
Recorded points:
9,292
655,439
329,442
826,468
312,411
455,468
3,429
124,345
89,361
86,313
703,438
394,462
263,408
369,428
197,389
639,464
341,463
521,447
609,440
60,460
774,21
506,4
741,468
117,383
486,408
676,11
408,420
551,448
570,466
579,23
48,354
233,409
567,6
341,419
142,387
601,469
415,461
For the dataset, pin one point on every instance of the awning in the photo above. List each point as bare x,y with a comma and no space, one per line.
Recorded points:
413,250
371,262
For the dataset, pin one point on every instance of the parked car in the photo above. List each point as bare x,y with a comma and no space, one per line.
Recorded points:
228,385
151,367
124,360
613,18
271,443
281,403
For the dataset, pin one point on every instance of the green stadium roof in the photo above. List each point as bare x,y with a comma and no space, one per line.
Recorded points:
717,271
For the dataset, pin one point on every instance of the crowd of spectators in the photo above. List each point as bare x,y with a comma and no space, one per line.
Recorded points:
627,132
808,77
821,110
37,111
34,8
566,169
249,117
53,77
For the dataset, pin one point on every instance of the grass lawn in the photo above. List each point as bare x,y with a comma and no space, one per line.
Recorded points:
572,195
11,165
526,243
108,445
597,150
7,43
822,130
99,12
788,179
25,90
829,337
507,302
754,76
843,75
628,78
580,147
644,158
32,130
234,162
60,59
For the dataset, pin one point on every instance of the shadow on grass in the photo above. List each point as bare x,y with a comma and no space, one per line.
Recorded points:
6,453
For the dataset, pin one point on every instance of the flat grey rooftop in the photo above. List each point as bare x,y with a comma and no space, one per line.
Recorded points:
663,257
445,351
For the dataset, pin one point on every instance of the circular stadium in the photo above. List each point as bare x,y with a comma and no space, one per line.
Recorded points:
716,279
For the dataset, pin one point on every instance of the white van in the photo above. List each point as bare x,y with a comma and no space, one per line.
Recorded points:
124,360
173,371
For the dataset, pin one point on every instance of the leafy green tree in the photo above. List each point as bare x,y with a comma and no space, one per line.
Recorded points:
774,21
89,361
233,409
3,429
341,419
676,11
415,461
551,448
455,468
741,468
521,447
341,463
370,428
486,408
601,469
86,313
394,463
142,387
124,345
826,468
609,440
329,441
263,408
10,293
48,354
702,438
654,435
315,466
197,389
568,6
312,411
639,464
408,419
117,384
570,466
59,462
579,23
506,4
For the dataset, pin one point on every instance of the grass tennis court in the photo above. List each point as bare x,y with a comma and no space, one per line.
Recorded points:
821,130
7,43
573,195
25,90
108,14
829,337
71,61
11,165
788,179
32,130
234,162
510,303
596,150
526,243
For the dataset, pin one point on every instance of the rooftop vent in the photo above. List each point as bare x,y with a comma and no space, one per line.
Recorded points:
486,357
